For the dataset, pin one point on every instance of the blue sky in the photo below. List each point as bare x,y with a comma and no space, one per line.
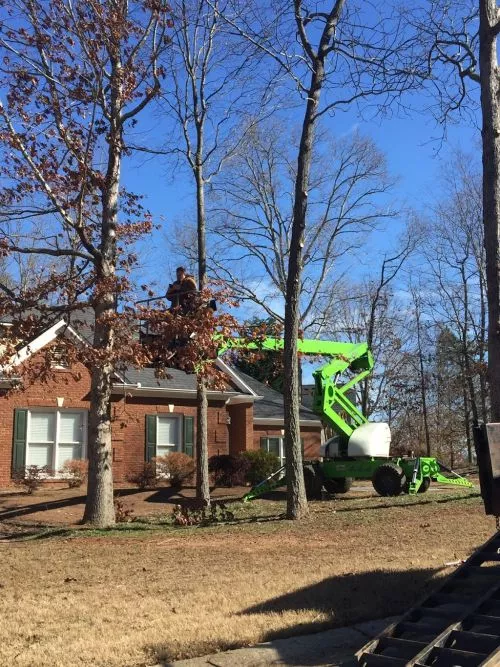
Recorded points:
414,147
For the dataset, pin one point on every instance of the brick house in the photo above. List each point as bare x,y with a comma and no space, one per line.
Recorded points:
46,424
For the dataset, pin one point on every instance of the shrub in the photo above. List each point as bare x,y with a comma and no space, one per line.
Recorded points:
178,467
75,472
146,478
216,513
228,470
31,477
261,464
122,515
184,516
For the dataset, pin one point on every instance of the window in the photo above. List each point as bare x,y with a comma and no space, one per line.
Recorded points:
276,445
55,436
167,435
59,358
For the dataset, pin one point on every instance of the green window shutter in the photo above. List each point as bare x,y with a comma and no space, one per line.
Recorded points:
189,435
263,444
150,437
302,447
19,442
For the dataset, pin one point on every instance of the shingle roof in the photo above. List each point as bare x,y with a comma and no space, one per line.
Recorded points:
82,322
176,379
271,405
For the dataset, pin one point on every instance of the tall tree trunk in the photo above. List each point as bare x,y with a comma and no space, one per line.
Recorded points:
467,425
490,92
99,508
466,359
483,380
423,384
202,478
296,497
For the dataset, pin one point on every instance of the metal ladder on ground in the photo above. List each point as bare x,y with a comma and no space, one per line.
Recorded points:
458,625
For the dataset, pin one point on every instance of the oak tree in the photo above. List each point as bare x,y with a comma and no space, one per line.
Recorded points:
75,76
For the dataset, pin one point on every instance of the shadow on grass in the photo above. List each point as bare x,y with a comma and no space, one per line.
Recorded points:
11,494
23,534
169,496
411,503
40,506
339,601
39,532
45,505
397,501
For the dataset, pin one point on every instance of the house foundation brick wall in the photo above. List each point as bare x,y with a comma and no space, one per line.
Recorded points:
128,415
129,429
72,386
241,428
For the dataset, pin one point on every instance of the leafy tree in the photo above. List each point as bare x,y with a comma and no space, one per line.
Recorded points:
75,77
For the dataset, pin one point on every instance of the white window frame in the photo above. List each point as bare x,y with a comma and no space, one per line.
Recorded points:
180,433
281,445
57,411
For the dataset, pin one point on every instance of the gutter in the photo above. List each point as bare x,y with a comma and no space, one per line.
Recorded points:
276,421
137,389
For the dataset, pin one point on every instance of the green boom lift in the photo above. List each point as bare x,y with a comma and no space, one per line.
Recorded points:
360,449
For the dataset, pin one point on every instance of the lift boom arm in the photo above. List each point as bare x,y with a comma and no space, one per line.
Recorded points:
330,400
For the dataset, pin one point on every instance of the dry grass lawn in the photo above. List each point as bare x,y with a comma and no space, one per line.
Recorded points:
146,594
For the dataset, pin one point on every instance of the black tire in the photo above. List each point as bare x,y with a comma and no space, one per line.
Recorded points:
426,482
389,480
338,484
313,483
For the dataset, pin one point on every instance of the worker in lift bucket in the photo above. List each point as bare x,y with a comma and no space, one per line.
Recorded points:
181,292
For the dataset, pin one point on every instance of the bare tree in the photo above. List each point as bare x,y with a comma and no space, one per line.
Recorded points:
344,55
420,327
210,96
455,257
252,210
75,75
354,314
389,270
372,311
462,44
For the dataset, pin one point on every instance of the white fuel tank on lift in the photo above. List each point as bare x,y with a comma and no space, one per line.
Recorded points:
371,439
